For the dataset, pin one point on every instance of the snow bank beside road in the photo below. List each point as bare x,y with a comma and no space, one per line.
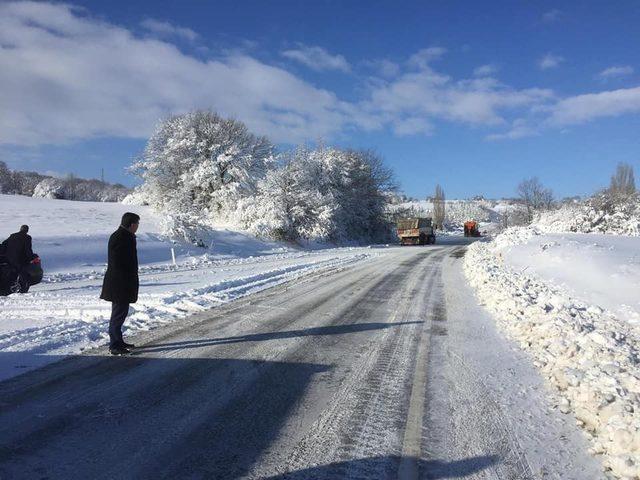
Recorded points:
588,353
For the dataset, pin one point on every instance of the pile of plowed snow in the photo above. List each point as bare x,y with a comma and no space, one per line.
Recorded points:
547,296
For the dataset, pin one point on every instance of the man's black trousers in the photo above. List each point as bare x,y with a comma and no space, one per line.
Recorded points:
118,314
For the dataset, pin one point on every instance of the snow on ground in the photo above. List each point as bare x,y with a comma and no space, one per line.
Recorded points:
63,315
557,295
72,236
590,216
491,378
601,270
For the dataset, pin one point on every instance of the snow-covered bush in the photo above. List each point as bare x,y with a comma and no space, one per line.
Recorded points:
137,197
287,206
601,213
325,194
50,188
73,188
200,163
188,227
26,182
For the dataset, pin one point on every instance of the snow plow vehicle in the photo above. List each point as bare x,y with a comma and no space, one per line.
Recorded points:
471,229
416,231
12,282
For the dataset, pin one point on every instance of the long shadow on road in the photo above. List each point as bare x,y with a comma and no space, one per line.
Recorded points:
387,468
137,417
261,337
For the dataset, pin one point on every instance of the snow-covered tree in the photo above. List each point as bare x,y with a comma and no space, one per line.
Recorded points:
323,194
24,183
438,208
202,163
6,179
534,196
623,182
50,188
288,204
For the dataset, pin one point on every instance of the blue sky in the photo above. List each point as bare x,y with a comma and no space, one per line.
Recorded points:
472,95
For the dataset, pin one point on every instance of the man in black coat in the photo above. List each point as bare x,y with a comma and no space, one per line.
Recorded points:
19,254
120,286
18,248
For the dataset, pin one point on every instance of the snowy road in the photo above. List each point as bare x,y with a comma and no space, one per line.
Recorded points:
384,369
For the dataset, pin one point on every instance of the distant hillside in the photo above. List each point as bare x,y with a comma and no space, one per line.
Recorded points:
32,184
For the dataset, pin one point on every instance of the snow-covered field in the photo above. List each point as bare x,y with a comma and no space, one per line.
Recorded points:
63,315
571,301
597,269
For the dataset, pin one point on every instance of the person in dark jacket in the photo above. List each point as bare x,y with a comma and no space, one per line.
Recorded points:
18,248
19,253
120,286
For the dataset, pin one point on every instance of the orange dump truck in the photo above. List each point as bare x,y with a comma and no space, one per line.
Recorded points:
471,229
416,231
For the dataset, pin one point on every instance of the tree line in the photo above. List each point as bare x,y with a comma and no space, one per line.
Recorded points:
33,184
537,198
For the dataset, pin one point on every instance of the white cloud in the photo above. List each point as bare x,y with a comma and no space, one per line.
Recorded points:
551,16
412,126
167,29
550,61
485,70
66,77
616,71
422,58
583,108
431,95
317,58
519,129
385,68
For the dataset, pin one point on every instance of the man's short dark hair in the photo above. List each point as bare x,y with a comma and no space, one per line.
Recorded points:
24,228
129,219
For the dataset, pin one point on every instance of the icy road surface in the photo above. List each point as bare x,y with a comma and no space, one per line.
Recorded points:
382,369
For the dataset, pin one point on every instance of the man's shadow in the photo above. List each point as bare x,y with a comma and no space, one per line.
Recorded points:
261,337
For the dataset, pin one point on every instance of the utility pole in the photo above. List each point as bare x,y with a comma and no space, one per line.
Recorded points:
102,175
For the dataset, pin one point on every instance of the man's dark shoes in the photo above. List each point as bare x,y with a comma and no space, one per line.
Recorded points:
128,345
119,350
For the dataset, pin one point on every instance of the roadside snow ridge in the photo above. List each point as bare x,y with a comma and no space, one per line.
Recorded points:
588,354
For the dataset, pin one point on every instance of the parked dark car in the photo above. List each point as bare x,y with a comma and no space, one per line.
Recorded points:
10,282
